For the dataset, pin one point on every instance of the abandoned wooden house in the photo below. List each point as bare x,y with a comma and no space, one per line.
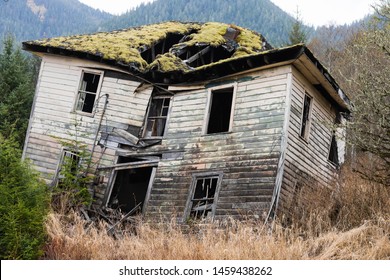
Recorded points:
189,119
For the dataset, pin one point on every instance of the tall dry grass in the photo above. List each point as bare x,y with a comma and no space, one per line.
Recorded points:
352,223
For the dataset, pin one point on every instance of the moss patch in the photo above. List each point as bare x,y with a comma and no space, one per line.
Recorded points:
125,46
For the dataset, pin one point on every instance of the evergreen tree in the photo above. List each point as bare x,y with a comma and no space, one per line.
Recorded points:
297,33
23,207
16,90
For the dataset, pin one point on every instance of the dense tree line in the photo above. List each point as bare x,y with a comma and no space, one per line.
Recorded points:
17,82
62,17
259,15
24,198
66,17
359,58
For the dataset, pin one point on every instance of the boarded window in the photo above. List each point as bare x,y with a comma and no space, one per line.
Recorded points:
203,198
87,92
157,116
306,117
220,111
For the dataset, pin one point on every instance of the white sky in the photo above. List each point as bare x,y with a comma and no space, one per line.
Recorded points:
115,7
313,12
324,12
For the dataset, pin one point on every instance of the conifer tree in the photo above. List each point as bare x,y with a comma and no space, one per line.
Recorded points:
24,205
297,33
16,90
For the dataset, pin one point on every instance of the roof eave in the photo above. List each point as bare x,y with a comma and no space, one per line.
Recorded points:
321,78
298,55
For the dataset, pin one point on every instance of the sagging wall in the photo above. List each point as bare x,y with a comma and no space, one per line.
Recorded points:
307,158
54,117
246,157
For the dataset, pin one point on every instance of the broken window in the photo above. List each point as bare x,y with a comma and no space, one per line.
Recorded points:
306,117
204,195
333,150
130,188
88,90
220,112
68,167
157,116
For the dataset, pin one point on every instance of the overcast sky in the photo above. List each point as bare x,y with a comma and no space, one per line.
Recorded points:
313,12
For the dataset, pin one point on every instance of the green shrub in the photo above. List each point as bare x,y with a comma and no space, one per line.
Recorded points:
23,208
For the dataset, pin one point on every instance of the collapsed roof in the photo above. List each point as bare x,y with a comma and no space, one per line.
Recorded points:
177,52
165,47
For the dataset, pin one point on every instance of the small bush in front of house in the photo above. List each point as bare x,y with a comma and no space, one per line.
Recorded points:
72,182
23,208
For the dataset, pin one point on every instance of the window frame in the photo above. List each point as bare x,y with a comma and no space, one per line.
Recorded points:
79,91
155,96
209,107
304,131
142,163
194,181
333,145
58,176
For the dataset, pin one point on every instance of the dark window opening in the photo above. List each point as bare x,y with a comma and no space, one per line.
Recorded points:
202,202
333,152
157,116
124,159
220,111
87,92
305,117
130,189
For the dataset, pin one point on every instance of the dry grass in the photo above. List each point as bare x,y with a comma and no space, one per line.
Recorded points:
354,223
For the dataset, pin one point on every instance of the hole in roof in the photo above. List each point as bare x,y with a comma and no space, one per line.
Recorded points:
196,56
161,47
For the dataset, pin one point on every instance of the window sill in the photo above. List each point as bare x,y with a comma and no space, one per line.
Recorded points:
85,114
303,139
152,140
218,133
334,165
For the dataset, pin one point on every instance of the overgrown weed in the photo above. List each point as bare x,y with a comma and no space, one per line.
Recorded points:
350,222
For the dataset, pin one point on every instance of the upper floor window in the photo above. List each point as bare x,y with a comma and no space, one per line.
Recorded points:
220,112
157,116
88,91
333,149
305,124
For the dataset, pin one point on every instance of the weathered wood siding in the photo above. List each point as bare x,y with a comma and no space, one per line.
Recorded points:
306,161
247,156
54,117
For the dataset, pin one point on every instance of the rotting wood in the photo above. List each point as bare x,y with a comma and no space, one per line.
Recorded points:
247,153
125,217
197,55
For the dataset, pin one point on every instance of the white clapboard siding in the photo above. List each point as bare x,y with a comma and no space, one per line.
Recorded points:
54,115
247,156
307,162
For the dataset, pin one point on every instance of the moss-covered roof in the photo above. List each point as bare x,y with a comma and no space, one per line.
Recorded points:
128,47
